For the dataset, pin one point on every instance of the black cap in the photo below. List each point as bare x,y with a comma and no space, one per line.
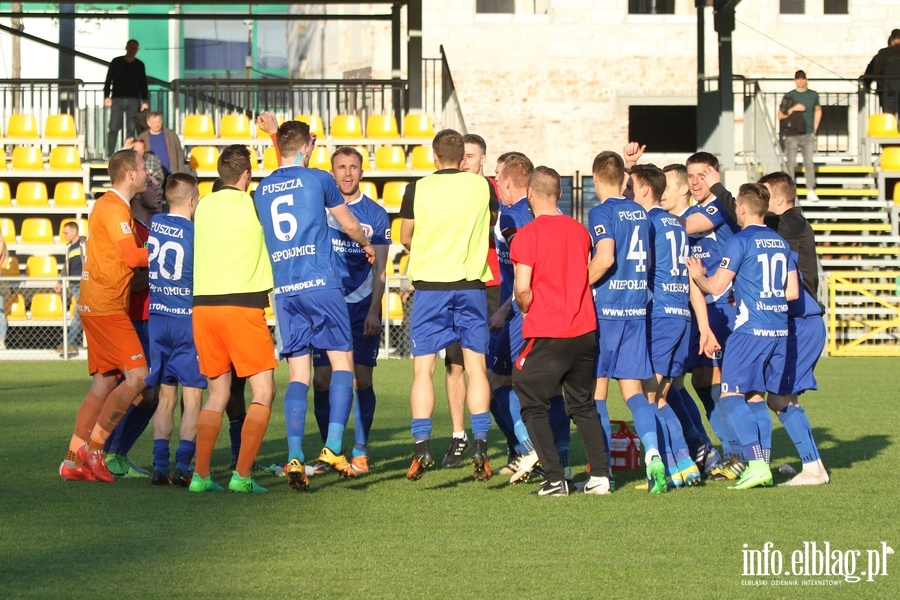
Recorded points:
801,74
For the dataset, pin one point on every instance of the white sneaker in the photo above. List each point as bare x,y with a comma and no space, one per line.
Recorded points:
594,485
811,196
526,464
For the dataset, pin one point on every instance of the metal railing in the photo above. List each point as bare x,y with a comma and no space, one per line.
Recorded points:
762,147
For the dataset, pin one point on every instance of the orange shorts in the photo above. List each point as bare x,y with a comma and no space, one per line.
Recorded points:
226,335
113,344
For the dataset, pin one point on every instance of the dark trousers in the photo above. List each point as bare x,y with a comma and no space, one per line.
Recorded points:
120,114
545,364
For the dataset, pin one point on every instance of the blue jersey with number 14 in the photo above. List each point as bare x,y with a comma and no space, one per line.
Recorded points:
171,265
291,205
668,276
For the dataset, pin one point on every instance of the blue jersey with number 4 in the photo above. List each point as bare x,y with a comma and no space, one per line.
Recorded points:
622,291
668,276
759,257
291,205
171,265
355,268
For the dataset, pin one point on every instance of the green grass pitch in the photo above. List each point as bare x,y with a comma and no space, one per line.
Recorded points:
446,536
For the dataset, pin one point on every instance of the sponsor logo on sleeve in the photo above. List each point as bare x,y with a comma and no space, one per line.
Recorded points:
599,230
711,210
126,227
725,262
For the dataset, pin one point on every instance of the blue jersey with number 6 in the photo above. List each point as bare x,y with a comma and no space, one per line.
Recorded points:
171,265
622,291
759,258
291,205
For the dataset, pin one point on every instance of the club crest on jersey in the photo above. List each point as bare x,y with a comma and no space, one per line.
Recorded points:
711,210
367,229
725,262
599,230
126,227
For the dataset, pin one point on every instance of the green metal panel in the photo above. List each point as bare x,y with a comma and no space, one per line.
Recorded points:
154,39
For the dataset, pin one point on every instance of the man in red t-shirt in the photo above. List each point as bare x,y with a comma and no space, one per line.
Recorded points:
551,255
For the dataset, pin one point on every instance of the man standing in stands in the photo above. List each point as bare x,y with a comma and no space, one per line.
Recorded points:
886,69
125,92
72,268
807,102
164,143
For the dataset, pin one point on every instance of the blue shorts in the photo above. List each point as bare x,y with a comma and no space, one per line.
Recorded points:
667,341
805,341
721,317
622,349
143,332
440,318
753,363
315,318
509,344
173,355
365,349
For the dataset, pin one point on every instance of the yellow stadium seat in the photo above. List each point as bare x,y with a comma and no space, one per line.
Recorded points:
42,266
270,159
32,193
346,127
36,230
204,158
265,136
395,230
890,158
199,126
392,306
369,189
10,268
205,188
390,158
883,125
418,126
69,194
60,126
315,124
2,160
65,158
234,127
320,159
422,158
252,187
27,158
382,127
82,227
8,230
897,193
16,309
46,306
392,194
254,158
22,126
5,196
364,152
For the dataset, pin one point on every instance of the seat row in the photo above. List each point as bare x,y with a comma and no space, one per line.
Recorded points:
25,126
35,266
345,127
387,158
37,230
31,158
45,306
68,194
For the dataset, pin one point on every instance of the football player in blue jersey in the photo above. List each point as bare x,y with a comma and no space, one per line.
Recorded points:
309,302
173,354
757,262
363,284
618,270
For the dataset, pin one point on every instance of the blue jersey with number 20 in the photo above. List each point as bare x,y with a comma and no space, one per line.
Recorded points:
171,264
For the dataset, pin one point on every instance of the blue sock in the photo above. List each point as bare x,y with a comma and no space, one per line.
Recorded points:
161,456
559,423
644,421
665,443
363,415
735,409
340,395
134,425
764,426
515,413
184,455
295,418
796,423
322,409
481,424
421,429
676,437
675,403
500,403
114,441
603,413
234,434
731,444
522,436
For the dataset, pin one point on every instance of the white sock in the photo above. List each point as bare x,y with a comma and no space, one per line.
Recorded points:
461,435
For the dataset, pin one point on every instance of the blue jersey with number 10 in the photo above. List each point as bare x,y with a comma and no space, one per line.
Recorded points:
622,292
171,264
669,276
291,205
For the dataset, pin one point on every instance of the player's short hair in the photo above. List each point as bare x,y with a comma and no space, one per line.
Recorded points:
544,181
71,225
755,196
139,141
703,158
609,167
652,176
781,184
474,138
179,188
680,172
120,163
291,136
154,113
448,147
348,151
505,156
518,168
233,161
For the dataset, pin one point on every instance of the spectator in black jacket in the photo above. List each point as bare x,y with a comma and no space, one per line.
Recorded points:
125,92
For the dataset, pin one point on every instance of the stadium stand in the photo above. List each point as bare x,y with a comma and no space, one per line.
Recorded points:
382,127
204,158
65,158
69,194
22,126
36,230
390,158
32,194
422,158
41,266
60,127
233,127
346,127
392,195
27,158
369,189
320,158
199,126
46,306
5,195
418,126
270,159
